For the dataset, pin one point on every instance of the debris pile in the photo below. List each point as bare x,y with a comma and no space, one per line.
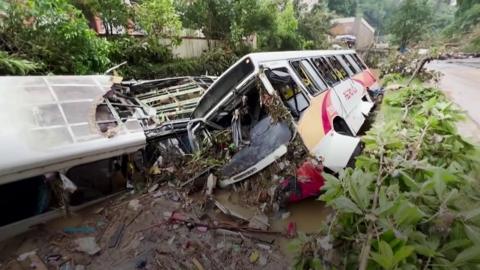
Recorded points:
153,230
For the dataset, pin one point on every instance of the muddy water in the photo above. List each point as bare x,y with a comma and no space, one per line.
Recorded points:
308,216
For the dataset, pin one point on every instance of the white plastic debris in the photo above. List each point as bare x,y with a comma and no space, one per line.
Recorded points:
87,245
211,183
68,185
24,256
134,205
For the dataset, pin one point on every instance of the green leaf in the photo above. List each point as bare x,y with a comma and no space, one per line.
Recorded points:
473,233
409,181
402,254
344,204
407,213
460,243
469,214
469,255
385,255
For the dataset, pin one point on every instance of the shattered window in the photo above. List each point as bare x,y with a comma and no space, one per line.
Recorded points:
310,79
347,65
326,70
359,61
290,93
337,67
354,64
104,118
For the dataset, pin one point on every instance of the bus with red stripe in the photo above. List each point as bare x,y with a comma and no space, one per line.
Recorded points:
326,93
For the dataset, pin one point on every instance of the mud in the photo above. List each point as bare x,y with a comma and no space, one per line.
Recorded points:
153,240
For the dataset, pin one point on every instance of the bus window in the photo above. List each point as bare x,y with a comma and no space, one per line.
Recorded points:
353,63
359,61
325,71
337,67
347,65
310,78
290,93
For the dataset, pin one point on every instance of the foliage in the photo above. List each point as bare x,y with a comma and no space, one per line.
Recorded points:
345,8
313,26
12,65
213,62
410,22
249,17
113,13
138,51
284,35
54,33
159,19
405,64
210,16
473,43
412,202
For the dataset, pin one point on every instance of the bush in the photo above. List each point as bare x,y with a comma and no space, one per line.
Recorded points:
212,63
412,202
55,34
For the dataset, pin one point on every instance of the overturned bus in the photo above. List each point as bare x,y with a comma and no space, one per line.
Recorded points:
328,95
67,142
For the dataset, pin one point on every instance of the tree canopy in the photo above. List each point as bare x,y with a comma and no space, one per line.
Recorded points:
410,22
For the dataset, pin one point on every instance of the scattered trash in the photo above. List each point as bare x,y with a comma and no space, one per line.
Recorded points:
254,256
259,222
285,215
134,205
262,261
68,265
197,264
117,236
292,229
24,256
229,212
211,183
153,188
87,245
159,193
82,229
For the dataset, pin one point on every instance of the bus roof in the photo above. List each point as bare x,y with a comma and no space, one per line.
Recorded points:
48,124
246,66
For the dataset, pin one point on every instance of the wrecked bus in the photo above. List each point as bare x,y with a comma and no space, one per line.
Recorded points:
325,92
70,141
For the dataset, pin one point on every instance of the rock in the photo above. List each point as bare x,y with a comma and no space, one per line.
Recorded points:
254,256
134,205
87,245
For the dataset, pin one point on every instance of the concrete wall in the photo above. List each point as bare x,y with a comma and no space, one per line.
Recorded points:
193,47
357,27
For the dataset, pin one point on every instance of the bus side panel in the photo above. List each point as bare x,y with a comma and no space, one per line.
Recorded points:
316,120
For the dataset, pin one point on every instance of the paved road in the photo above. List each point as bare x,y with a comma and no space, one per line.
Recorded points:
461,83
